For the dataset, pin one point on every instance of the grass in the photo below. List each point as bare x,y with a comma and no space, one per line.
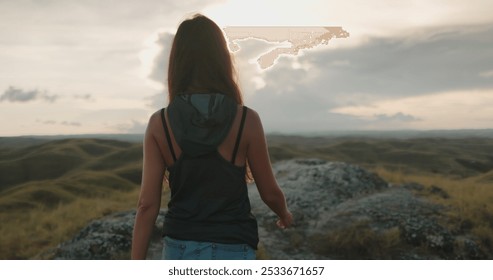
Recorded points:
358,242
469,201
42,228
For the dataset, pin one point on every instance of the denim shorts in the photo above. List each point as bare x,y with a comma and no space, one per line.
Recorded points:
174,249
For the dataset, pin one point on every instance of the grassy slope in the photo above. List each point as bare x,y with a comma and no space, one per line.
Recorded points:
455,158
51,190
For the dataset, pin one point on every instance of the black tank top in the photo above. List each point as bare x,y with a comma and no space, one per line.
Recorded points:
209,198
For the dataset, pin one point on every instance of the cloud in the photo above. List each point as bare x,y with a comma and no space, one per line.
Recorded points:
46,121
100,13
70,123
159,67
86,96
53,122
417,63
13,94
158,100
155,60
445,110
486,74
400,117
133,126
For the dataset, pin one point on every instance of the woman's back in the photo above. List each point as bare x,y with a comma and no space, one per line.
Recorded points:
209,198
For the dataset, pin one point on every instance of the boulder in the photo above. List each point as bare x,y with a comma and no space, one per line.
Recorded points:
108,238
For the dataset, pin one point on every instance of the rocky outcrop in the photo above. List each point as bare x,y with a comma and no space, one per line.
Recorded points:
345,212
108,238
341,211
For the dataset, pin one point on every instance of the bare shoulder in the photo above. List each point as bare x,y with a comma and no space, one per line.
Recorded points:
253,126
155,122
155,117
253,119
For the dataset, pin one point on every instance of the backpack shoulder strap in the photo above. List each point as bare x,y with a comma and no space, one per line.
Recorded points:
238,137
168,137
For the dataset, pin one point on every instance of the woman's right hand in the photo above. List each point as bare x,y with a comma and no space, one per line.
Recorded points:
286,221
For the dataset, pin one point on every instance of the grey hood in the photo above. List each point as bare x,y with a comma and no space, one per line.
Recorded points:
201,121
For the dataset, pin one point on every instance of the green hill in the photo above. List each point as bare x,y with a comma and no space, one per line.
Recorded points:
55,159
451,157
57,185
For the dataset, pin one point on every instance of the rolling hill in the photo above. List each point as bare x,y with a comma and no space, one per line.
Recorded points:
67,180
451,157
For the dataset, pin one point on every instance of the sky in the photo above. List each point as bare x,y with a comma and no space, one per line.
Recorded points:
99,66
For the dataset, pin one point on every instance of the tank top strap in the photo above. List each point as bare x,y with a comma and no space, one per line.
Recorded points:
168,137
238,137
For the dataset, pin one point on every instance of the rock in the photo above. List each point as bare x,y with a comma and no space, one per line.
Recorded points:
413,186
108,238
439,192
471,250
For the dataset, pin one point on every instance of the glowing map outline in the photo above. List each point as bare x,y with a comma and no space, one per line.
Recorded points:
305,37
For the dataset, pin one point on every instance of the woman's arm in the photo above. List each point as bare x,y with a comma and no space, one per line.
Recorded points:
259,162
150,193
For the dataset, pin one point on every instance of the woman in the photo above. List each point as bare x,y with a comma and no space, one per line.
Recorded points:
204,139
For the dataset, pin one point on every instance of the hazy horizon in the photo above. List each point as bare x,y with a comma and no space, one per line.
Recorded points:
409,133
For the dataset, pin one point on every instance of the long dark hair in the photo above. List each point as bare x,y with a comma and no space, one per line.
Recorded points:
200,59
